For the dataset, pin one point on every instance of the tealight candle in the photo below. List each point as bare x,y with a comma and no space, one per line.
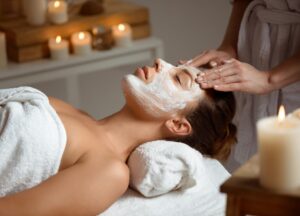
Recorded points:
35,11
58,12
3,56
59,48
279,152
81,42
122,34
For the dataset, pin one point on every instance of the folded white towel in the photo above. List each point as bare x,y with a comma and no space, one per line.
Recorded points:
194,203
32,139
159,167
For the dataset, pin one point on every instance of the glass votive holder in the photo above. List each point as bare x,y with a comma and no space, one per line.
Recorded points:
102,38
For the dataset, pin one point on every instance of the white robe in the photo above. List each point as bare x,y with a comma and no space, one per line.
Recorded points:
269,33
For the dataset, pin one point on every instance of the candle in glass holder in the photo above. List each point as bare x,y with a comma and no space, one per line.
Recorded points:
102,38
122,34
81,42
279,152
59,48
58,12
35,11
3,56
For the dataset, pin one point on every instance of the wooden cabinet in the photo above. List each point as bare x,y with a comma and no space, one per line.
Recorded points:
245,196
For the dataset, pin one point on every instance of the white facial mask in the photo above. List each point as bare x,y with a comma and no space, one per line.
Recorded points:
161,96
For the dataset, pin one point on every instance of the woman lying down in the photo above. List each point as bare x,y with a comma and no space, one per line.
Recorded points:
57,160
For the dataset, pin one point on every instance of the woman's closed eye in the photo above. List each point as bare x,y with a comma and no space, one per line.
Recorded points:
184,79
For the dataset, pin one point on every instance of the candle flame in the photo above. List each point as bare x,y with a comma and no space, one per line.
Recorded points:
81,36
281,114
56,4
58,39
121,27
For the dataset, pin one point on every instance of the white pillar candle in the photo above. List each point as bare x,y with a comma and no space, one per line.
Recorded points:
122,34
58,12
59,48
81,42
35,11
279,152
3,56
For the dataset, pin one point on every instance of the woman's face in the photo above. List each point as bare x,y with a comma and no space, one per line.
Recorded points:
163,89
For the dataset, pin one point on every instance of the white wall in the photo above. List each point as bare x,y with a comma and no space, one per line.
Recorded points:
186,28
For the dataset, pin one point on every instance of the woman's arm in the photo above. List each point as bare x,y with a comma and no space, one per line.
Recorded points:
230,39
87,188
285,73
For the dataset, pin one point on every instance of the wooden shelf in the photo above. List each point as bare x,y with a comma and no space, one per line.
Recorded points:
27,43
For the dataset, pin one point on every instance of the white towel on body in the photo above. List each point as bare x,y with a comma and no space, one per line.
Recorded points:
159,167
32,139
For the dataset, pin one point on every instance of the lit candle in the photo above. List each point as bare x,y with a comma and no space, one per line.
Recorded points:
3,57
81,42
122,34
35,11
58,12
279,152
59,48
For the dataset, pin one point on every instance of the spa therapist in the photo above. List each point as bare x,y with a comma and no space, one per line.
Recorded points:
259,59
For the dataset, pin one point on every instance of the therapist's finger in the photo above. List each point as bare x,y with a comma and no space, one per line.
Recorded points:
182,61
206,85
202,59
226,80
228,87
217,72
213,63
207,77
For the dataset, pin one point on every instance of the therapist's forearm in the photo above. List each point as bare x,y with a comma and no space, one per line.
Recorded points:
285,73
231,36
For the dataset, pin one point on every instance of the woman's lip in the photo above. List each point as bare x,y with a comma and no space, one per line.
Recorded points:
141,73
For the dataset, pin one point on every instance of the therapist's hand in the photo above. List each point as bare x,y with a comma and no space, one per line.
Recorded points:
211,58
234,75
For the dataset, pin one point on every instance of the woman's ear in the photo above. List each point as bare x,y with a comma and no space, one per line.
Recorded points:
179,126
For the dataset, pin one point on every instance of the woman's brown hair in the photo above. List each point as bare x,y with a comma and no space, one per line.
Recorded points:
213,132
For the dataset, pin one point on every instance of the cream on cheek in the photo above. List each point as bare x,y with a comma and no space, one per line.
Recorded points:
161,96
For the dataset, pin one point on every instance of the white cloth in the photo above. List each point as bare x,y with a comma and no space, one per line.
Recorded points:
269,33
159,167
32,139
199,201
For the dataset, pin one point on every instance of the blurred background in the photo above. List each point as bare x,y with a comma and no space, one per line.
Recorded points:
185,27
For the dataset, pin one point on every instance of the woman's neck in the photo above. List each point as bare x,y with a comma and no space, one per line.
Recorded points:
125,131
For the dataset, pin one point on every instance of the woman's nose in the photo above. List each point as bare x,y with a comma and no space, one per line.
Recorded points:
149,73
157,64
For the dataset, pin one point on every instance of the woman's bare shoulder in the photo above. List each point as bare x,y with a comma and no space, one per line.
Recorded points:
103,161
